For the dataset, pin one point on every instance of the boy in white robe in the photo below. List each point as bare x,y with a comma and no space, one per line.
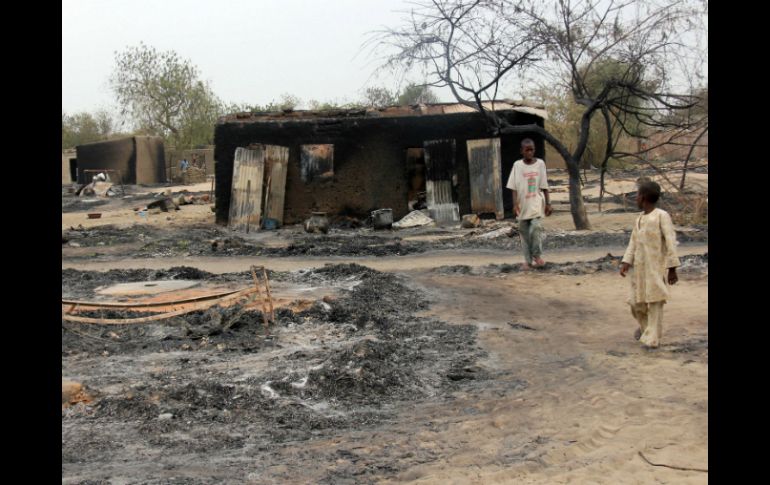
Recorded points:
652,254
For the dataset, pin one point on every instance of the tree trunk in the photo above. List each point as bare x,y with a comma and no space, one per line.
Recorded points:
689,154
577,208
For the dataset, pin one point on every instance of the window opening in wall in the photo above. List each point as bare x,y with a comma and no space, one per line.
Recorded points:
316,162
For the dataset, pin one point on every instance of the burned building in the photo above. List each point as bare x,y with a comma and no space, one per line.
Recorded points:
134,160
69,166
355,161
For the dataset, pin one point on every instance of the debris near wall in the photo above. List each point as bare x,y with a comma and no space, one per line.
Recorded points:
98,189
382,218
169,202
100,186
317,222
507,230
190,175
470,221
194,175
413,219
165,204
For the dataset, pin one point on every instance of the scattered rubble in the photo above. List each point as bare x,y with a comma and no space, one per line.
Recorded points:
317,222
508,231
413,219
691,264
317,373
470,221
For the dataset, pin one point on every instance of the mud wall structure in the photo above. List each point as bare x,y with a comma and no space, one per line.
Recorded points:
173,156
140,159
370,157
68,158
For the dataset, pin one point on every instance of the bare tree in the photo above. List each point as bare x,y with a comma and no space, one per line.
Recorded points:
614,57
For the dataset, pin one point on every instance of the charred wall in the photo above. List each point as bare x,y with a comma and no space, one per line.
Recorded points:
107,155
140,159
370,155
150,160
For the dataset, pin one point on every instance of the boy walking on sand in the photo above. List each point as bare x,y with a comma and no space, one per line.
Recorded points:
652,253
529,183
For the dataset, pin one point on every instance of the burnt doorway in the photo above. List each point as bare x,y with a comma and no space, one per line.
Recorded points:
415,175
441,180
74,169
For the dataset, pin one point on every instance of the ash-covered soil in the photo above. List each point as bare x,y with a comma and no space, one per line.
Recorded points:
209,397
109,235
213,241
692,264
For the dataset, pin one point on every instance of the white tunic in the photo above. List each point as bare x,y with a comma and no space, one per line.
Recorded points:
651,251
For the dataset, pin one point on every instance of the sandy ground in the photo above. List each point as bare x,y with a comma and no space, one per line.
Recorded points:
593,398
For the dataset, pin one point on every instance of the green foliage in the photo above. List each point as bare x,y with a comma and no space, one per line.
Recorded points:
416,94
376,97
164,96
85,127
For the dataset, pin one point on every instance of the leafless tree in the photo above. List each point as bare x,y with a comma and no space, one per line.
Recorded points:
618,59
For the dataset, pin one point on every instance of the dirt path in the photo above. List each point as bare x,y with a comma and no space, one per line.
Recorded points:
573,398
590,398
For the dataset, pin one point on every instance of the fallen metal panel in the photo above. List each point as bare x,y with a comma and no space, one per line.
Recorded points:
441,175
316,162
187,308
485,175
278,163
246,199
88,305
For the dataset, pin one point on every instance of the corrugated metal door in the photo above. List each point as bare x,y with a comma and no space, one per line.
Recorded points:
246,199
485,175
440,174
277,163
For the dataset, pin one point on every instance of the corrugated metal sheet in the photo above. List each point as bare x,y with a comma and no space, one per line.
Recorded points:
497,106
277,162
440,173
246,199
485,175
390,111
